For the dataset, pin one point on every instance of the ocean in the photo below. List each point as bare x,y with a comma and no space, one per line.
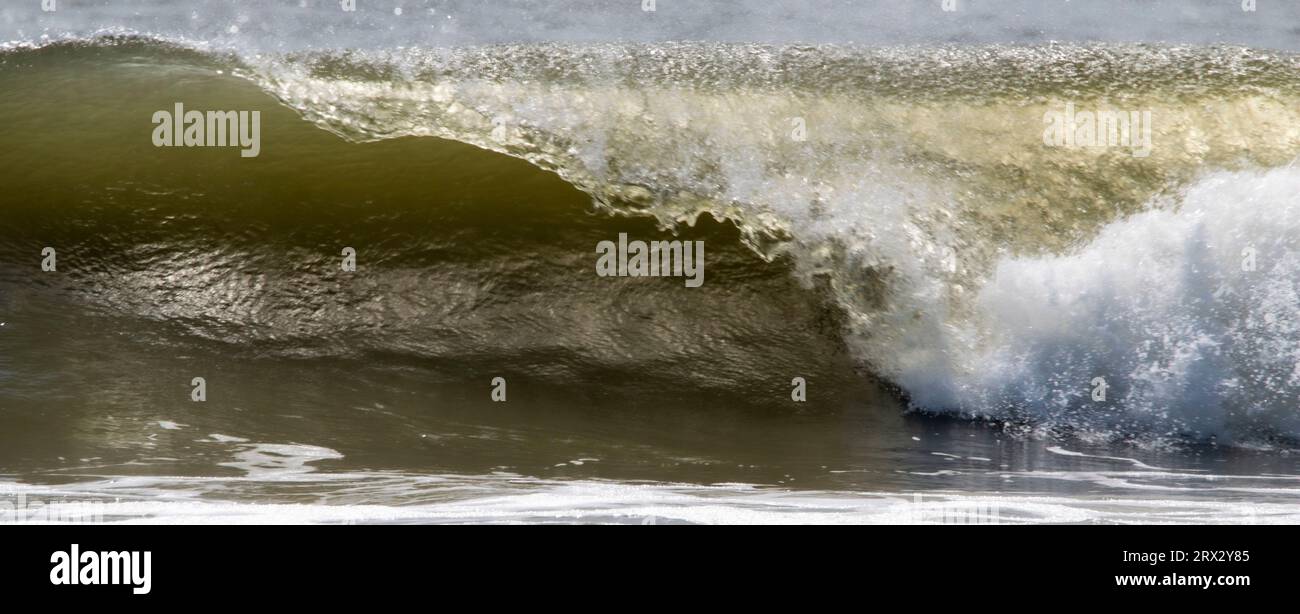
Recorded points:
1013,262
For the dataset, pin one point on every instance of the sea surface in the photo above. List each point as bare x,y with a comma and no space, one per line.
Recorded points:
882,217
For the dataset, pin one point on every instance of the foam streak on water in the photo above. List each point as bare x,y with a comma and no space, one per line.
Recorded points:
500,498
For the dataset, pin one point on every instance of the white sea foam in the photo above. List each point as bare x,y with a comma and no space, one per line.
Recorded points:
391,498
276,478
1160,307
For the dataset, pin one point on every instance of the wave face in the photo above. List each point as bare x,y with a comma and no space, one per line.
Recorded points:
979,270
469,262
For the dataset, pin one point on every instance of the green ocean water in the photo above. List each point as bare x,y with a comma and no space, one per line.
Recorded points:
474,185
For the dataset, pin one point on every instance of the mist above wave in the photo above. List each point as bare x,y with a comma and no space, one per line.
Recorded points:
287,25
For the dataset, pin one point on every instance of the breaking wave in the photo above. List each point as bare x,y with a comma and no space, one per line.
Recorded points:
976,268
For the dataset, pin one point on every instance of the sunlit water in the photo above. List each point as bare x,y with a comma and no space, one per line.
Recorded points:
947,287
